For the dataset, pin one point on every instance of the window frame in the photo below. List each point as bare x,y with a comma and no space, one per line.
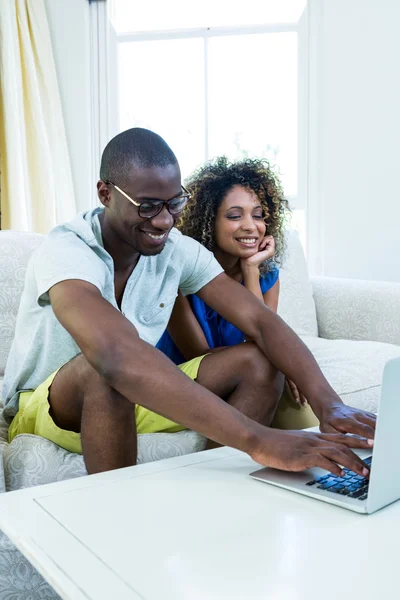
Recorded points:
104,46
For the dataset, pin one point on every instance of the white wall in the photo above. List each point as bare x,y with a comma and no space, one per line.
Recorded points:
354,198
70,32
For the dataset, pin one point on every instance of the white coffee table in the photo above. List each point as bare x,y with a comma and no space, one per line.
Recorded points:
198,527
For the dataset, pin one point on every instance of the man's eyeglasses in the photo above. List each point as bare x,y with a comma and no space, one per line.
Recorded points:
148,210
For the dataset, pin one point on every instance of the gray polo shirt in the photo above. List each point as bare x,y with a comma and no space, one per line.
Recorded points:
75,251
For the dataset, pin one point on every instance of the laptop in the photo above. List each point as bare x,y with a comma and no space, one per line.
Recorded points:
353,491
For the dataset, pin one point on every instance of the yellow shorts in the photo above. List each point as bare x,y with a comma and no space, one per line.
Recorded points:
33,415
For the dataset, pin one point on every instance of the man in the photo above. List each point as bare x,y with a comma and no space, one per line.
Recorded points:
98,295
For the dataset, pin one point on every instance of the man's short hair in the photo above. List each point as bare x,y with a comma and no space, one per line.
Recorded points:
134,147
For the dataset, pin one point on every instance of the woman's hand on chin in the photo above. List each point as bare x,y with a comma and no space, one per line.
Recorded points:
265,251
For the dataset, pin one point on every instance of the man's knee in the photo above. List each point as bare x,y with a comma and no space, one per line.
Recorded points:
68,390
83,373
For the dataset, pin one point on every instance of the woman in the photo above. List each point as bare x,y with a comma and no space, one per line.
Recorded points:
238,211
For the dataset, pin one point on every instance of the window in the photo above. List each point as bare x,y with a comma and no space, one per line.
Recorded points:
213,81
133,16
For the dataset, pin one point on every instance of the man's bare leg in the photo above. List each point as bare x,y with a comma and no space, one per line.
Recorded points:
245,378
81,401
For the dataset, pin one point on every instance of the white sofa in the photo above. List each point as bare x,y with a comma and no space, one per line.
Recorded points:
352,328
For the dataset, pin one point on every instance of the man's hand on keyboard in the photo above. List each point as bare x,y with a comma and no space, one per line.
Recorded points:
340,418
300,450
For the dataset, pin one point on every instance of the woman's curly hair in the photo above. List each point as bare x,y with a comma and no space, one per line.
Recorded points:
209,185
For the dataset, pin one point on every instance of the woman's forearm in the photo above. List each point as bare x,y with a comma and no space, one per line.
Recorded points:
251,280
186,331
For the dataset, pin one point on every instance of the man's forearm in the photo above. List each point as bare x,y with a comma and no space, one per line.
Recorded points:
153,381
140,372
279,343
290,355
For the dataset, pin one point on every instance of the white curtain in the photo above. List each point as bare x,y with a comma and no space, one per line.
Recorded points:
36,184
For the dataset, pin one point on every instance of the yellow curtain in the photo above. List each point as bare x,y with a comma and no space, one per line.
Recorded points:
36,184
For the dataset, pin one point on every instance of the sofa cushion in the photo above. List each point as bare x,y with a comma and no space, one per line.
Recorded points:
31,460
353,368
15,250
296,302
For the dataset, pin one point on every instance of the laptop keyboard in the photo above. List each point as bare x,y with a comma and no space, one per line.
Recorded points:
350,485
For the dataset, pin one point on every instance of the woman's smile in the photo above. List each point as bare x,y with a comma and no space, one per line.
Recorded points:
248,242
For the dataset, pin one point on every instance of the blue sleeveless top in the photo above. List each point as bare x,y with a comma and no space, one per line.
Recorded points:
217,331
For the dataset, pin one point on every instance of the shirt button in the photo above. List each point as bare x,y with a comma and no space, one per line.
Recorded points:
162,305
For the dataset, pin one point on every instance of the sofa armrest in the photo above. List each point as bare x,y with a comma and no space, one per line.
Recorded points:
3,447
354,309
